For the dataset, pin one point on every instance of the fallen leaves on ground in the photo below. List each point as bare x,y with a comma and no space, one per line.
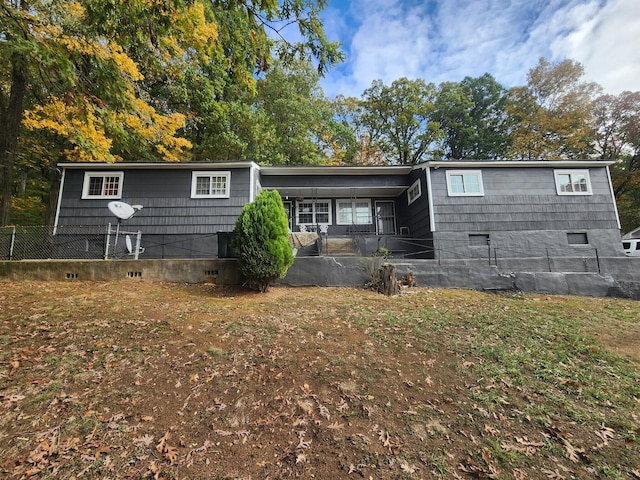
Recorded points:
201,381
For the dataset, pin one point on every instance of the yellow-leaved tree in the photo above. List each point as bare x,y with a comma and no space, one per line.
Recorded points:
131,80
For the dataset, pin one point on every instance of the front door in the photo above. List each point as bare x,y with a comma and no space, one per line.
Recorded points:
385,218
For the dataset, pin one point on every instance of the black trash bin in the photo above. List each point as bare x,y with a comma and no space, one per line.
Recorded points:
224,245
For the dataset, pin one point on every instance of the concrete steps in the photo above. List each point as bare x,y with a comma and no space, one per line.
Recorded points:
339,247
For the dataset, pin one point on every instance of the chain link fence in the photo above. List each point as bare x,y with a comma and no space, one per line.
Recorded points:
101,242
70,242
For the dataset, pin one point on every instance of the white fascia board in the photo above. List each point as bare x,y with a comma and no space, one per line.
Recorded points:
519,164
155,165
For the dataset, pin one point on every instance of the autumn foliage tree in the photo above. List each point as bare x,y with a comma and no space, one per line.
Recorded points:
62,74
617,137
356,145
135,79
261,240
551,115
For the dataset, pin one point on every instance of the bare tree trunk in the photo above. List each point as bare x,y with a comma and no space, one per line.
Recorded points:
389,285
10,119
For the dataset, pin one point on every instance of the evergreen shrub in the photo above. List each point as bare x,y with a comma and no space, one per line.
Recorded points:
261,240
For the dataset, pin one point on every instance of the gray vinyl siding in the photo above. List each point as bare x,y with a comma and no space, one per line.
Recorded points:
166,197
416,215
523,199
523,216
520,213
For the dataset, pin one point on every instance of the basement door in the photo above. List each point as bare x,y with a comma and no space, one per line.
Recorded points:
385,218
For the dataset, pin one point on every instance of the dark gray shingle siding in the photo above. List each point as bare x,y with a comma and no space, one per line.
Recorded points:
523,199
166,197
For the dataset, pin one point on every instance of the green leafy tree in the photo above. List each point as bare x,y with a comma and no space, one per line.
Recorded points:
472,116
453,114
399,119
287,121
551,116
298,114
261,240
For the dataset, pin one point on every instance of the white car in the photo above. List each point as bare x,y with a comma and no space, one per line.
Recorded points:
631,246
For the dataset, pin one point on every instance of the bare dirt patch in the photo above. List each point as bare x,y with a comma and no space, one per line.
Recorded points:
135,380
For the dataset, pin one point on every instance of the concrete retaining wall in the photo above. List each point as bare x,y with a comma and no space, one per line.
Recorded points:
222,271
618,276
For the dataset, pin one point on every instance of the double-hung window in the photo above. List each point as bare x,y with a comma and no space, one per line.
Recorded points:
313,212
572,182
464,183
210,184
102,185
353,212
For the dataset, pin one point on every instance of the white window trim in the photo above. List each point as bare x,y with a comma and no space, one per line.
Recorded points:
89,175
477,173
557,173
411,199
353,210
213,173
314,202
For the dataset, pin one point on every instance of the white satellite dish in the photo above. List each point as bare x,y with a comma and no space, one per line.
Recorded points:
121,210
127,240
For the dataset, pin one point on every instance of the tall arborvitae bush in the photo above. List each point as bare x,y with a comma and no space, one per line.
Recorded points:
261,240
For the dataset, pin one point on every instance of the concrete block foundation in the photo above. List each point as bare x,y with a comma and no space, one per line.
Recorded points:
616,276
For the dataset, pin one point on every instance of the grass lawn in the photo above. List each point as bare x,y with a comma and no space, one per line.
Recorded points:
157,380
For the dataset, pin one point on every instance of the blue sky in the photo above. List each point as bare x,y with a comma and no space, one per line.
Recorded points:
446,40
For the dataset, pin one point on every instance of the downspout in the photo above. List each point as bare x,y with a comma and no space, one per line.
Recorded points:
613,197
432,216
55,223
254,172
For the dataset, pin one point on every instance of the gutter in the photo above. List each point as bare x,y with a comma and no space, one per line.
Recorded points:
55,222
519,164
156,165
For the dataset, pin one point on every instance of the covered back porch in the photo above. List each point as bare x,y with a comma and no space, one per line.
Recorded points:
351,212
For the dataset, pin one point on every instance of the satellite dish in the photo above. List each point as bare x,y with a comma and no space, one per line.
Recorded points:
127,240
121,210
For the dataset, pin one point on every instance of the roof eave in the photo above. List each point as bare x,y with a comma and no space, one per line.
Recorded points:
154,165
518,163
336,170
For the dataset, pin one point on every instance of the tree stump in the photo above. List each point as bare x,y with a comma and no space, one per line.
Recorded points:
389,282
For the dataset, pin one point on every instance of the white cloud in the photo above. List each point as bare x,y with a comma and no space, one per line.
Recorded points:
446,40
385,38
607,46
